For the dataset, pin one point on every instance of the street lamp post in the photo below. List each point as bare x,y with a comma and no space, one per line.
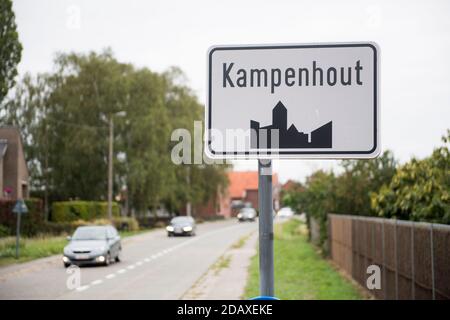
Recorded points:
110,166
110,160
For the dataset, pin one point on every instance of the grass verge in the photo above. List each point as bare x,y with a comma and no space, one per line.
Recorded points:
241,242
222,263
38,247
300,272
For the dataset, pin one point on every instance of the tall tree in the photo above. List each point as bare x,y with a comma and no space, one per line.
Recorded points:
194,183
27,110
64,117
10,48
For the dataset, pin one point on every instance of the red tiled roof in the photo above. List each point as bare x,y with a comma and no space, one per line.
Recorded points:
240,181
289,185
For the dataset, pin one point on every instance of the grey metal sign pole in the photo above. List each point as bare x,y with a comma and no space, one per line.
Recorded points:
19,209
19,214
265,228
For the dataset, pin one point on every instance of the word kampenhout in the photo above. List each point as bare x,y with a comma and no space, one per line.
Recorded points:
315,75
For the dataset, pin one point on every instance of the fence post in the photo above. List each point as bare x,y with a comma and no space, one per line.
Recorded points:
330,241
372,223
396,258
384,259
432,261
413,271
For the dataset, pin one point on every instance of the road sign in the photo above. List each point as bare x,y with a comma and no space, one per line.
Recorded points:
20,207
293,101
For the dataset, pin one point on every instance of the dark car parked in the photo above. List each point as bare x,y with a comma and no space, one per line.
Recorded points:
181,226
93,245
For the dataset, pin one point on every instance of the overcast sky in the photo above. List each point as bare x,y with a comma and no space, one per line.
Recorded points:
414,37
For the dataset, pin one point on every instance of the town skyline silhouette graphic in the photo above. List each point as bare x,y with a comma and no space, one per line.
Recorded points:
289,138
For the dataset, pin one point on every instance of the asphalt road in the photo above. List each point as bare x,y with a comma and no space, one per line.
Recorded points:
153,266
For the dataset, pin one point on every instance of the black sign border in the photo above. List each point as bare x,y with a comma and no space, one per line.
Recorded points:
306,46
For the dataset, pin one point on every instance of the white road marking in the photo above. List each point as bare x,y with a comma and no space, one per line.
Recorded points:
139,263
82,288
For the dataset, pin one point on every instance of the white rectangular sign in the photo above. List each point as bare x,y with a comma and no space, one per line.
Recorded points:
293,101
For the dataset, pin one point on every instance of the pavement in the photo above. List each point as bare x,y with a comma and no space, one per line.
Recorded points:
227,278
153,266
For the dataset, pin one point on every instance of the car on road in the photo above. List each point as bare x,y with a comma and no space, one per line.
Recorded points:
181,226
246,214
92,245
285,212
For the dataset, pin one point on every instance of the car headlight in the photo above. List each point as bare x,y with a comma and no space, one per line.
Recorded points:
239,215
169,228
187,229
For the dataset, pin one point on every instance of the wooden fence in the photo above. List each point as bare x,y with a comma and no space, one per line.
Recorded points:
414,258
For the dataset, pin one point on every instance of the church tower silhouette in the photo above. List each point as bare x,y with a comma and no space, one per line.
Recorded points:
285,138
279,117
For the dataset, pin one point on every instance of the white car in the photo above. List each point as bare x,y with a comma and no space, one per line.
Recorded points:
285,212
247,214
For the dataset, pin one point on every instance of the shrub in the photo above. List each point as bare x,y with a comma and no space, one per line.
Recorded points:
57,228
126,224
4,231
420,189
66,211
152,222
31,222
160,224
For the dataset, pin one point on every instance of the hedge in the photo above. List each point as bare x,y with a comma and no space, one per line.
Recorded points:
31,222
58,228
126,224
67,211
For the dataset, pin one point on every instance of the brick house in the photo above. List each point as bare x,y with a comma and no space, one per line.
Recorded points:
13,167
243,188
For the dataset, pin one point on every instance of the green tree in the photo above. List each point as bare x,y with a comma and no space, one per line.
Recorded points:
64,118
27,110
347,193
293,197
359,179
420,190
319,199
320,194
10,48
86,91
